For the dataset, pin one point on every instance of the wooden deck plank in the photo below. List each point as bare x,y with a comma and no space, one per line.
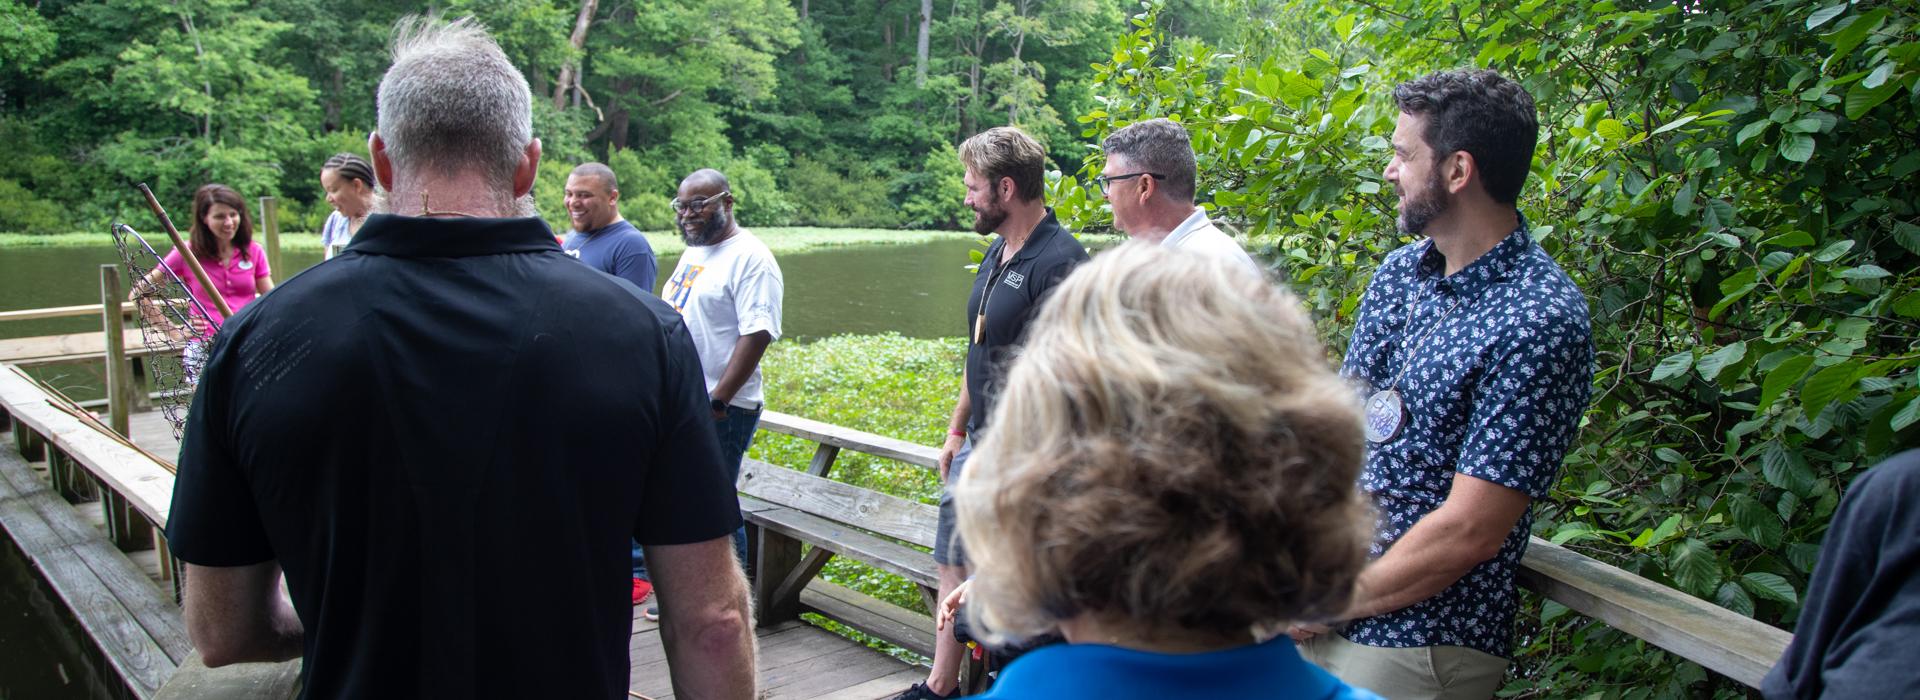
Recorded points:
795,660
891,623
883,687
113,602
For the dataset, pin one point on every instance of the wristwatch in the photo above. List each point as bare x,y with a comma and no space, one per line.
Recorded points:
718,405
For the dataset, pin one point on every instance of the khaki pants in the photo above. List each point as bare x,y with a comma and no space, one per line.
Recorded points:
1412,673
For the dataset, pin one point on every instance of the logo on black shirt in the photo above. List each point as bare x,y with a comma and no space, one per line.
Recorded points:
1014,279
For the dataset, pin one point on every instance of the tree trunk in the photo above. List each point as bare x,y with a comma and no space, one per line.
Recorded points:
333,102
886,34
570,74
920,48
1019,69
803,10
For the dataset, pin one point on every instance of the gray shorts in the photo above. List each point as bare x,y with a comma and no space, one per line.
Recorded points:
946,537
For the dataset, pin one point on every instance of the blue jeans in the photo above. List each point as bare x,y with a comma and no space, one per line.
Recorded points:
736,434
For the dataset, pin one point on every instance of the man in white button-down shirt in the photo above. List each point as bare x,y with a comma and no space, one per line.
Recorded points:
1149,182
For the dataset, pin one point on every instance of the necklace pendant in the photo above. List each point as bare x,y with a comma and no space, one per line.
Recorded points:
1385,415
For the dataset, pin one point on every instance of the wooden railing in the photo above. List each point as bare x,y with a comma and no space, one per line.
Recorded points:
1738,647
801,518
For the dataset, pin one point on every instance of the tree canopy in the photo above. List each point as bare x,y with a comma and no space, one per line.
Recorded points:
831,113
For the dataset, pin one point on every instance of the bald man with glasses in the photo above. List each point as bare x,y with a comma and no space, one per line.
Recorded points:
728,288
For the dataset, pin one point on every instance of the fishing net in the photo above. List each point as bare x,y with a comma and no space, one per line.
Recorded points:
173,325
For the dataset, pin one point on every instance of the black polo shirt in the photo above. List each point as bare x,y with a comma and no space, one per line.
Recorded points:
446,436
1013,293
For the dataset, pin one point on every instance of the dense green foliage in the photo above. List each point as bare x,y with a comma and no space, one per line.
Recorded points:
1733,185
823,113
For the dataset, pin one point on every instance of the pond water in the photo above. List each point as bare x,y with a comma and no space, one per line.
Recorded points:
917,289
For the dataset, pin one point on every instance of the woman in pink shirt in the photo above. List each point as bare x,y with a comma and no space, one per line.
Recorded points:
222,240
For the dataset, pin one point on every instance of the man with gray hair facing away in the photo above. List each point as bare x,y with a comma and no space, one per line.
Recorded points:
394,455
1149,182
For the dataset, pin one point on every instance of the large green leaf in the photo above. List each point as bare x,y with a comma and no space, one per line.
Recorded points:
1694,566
1712,363
1828,385
1674,365
1862,99
1797,148
1760,524
1826,14
1770,586
1907,415
1730,596
1782,378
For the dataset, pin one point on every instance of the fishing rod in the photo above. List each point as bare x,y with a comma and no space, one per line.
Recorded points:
186,252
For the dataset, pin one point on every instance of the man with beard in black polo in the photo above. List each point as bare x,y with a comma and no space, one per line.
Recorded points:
1006,188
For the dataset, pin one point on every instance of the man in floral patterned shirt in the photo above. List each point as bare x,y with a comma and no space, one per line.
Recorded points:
1475,358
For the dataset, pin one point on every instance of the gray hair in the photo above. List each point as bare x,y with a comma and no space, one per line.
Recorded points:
1158,146
452,103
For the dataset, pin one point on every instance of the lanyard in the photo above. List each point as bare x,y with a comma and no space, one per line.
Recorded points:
980,321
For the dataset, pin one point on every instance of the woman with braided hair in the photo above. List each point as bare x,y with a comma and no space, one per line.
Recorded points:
348,181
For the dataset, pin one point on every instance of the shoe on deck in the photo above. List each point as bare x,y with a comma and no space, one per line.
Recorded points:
920,691
652,613
641,589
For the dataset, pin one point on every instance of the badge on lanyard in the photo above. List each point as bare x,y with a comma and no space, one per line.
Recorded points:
1386,413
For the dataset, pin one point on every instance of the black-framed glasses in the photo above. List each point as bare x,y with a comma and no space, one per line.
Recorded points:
697,204
1106,181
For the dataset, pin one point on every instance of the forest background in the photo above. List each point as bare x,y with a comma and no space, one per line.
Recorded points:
838,113
1732,183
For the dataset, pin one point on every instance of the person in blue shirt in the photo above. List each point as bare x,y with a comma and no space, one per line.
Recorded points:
601,238
1182,486
606,242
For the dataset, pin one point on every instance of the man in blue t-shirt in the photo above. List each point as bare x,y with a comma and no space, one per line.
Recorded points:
600,238
606,242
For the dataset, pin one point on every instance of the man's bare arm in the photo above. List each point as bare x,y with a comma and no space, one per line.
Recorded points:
236,614
956,427
1468,528
706,625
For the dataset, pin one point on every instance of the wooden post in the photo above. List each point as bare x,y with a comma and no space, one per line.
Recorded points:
139,385
72,481
776,555
28,443
126,527
118,387
823,459
270,229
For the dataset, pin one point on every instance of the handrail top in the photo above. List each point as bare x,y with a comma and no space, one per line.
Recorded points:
58,312
145,483
848,438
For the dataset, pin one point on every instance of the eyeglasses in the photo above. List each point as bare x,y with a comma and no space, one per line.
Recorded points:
698,204
1106,181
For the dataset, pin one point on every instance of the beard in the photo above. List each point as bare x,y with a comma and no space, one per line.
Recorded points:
1425,205
708,233
985,222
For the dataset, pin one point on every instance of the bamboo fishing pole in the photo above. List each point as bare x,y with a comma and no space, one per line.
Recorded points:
186,253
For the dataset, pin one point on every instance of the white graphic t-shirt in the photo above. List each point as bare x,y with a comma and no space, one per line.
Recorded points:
726,291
